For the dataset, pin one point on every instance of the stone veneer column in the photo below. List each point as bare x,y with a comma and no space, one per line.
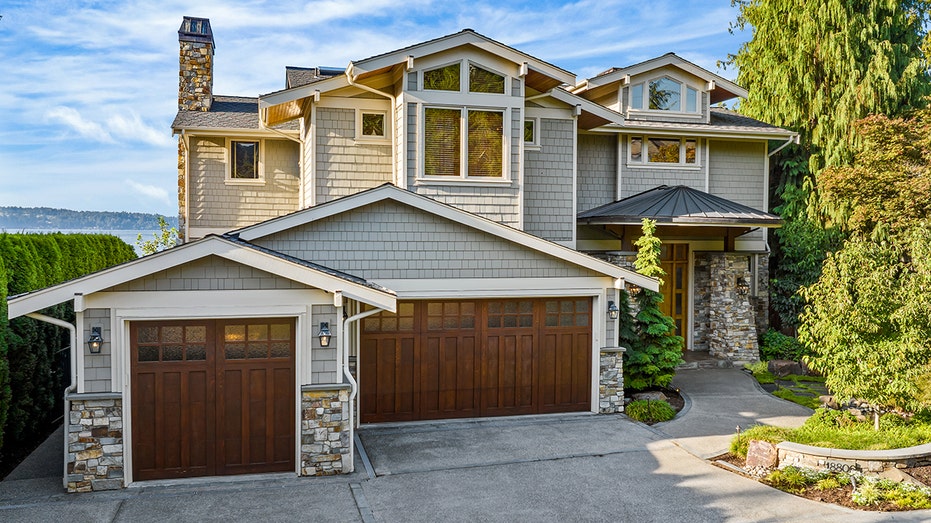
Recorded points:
325,430
732,320
95,442
611,381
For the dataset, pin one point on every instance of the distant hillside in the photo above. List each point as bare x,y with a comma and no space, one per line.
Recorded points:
15,218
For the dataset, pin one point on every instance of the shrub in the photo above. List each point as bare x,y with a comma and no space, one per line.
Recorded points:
775,345
647,411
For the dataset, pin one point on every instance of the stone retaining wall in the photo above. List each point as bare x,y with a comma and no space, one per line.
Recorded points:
95,442
732,318
611,381
840,460
325,430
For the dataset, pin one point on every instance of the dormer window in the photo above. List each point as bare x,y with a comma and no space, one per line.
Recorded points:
664,94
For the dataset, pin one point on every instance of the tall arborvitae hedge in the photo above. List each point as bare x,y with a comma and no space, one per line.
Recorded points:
33,372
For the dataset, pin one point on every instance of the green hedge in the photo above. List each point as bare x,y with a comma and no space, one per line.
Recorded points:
32,376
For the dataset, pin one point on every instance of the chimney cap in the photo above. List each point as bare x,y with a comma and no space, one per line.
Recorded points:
195,29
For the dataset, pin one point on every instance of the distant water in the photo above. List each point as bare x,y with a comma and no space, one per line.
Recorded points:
128,236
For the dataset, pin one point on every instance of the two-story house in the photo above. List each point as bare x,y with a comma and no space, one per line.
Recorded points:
437,231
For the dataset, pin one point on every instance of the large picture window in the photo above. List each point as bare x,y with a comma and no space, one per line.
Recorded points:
663,150
445,143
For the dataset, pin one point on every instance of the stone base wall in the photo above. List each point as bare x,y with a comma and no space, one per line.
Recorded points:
611,381
95,442
732,318
325,430
701,297
872,462
760,299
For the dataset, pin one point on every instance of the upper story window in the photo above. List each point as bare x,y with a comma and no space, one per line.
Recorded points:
245,161
451,135
663,150
485,81
664,94
442,78
450,78
371,126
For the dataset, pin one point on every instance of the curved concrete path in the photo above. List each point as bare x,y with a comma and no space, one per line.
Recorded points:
720,400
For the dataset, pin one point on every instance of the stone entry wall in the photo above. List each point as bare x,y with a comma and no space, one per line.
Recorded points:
95,442
732,333
611,381
325,430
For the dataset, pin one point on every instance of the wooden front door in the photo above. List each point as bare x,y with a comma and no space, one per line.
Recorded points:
675,261
470,358
212,397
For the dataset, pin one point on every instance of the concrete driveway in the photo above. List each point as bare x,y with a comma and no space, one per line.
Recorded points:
570,467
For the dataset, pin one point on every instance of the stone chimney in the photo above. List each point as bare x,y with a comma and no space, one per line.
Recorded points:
195,82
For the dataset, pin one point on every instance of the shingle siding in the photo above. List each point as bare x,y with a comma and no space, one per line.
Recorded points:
597,171
635,180
216,204
548,209
211,273
343,166
97,373
389,240
323,362
737,171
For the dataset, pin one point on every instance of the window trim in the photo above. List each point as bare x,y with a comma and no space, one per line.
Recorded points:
533,145
645,162
464,64
386,138
684,87
228,160
505,178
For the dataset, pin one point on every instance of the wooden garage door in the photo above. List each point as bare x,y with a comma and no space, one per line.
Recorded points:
471,358
212,397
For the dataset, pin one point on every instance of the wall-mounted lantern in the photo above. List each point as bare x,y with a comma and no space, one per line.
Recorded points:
95,340
324,334
613,311
743,286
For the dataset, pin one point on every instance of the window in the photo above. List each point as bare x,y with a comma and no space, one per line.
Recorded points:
665,94
445,143
663,150
442,78
245,161
484,81
530,131
371,125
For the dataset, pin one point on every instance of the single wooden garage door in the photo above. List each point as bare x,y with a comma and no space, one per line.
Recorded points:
212,397
472,358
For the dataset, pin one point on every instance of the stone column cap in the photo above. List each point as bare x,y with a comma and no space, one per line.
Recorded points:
613,349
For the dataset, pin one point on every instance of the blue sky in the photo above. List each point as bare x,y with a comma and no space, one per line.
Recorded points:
88,89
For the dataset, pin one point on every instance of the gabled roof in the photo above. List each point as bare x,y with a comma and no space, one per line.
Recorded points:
724,88
233,249
722,122
593,115
391,192
237,113
679,205
299,76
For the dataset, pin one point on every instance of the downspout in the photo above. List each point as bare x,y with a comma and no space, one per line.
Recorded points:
394,109
792,139
354,386
72,384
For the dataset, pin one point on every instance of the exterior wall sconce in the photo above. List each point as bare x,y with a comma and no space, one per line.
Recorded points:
95,340
613,311
324,334
743,286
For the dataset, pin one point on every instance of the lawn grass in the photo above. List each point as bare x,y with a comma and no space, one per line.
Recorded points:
840,430
788,394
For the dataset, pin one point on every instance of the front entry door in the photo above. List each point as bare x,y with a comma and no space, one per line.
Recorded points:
212,397
675,262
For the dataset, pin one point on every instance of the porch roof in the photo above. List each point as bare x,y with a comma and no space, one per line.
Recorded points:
679,205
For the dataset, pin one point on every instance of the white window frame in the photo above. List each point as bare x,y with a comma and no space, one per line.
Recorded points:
464,78
228,154
533,145
645,159
386,138
683,98
505,177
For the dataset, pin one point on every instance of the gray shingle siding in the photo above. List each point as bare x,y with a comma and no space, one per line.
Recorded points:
412,160
548,210
597,170
737,170
215,204
97,366
210,273
345,167
323,368
496,203
389,240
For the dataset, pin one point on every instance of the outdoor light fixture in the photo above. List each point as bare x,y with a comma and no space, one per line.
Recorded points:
324,334
613,311
743,287
95,341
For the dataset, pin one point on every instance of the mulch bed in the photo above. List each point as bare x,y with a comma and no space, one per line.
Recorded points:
838,496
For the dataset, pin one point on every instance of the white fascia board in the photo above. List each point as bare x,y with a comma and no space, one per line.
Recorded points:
587,105
728,134
519,237
304,91
175,256
213,300
237,133
498,287
459,39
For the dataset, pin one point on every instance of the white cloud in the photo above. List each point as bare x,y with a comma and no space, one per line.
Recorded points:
150,191
132,128
73,119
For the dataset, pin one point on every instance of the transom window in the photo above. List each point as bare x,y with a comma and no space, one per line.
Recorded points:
664,94
442,78
663,150
484,81
449,78
453,134
244,160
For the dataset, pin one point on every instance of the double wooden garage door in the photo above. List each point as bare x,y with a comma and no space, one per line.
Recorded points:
212,397
451,359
